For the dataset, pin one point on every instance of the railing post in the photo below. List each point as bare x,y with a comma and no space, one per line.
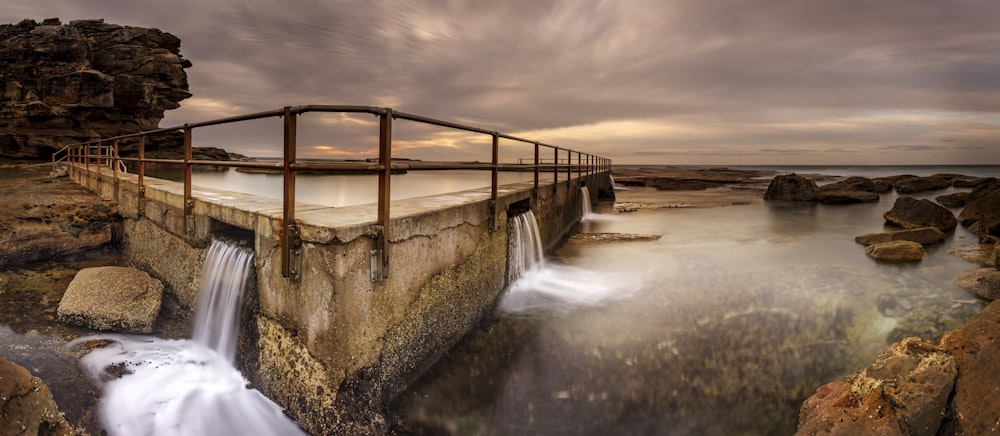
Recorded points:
569,167
579,164
114,163
188,167
380,255
534,190
141,195
291,241
494,179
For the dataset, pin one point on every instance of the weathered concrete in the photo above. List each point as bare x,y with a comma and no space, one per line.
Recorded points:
334,347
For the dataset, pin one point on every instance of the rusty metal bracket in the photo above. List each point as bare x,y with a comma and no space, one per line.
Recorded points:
294,252
379,255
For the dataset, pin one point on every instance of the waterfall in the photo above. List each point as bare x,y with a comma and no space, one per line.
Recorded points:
524,246
159,387
223,280
585,201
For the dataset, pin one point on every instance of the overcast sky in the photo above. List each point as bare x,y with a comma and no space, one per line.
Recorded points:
660,81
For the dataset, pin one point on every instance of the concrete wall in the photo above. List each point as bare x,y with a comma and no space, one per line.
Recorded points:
334,347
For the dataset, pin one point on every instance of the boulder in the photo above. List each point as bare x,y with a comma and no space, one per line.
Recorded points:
923,235
975,347
910,213
835,409
896,251
917,377
957,199
973,182
920,184
112,298
71,83
846,197
881,185
791,187
983,282
981,214
854,183
26,404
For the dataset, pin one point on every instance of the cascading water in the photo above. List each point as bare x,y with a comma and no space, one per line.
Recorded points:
585,202
524,246
223,282
539,285
154,386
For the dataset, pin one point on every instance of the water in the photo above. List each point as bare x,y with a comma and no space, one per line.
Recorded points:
585,210
723,326
155,386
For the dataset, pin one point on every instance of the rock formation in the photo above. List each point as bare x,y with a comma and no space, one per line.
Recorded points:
896,251
64,84
983,283
923,235
910,213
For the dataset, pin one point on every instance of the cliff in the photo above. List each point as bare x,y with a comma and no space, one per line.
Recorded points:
63,84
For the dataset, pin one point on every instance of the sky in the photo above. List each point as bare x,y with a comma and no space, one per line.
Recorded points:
693,82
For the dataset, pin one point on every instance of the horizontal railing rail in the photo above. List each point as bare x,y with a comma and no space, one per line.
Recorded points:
105,153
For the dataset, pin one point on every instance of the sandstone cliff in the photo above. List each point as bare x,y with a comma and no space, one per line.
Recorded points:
70,83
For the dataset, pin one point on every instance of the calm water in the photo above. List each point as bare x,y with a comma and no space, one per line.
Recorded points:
723,326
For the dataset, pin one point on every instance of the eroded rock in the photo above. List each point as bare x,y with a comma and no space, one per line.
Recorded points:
896,251
983,282
791,187
112,298
26,405
65,84
981,214
920,184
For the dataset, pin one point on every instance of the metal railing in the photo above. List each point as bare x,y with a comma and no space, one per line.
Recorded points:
106,152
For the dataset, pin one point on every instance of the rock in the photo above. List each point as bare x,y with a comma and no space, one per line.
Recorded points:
834,409
975,347
973,182
923,235
981,214
590,239
983,254
846,197
26,404
911,213
112,298
957,199
854,183
881,185
983,282
896,251
47,218
917,377
920,184
791,187
72,83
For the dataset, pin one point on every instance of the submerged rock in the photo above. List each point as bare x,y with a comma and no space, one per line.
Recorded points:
791,187
924,235
957,199
846,197
920,184
983,254
26,404
112,298
983,282
896,251
910,213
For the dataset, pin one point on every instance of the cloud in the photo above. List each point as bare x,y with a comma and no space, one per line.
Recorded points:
633,79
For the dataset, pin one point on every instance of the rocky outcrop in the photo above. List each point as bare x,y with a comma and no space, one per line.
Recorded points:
976,348
791,187
826,196
920,184
981,214
983,283
924,236
896,251
112,298
64,84
59,220
904,392
26,405
910,213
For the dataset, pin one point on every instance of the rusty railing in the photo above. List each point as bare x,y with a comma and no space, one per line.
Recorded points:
105,152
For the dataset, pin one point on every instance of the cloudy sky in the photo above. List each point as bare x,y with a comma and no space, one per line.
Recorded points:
659,81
